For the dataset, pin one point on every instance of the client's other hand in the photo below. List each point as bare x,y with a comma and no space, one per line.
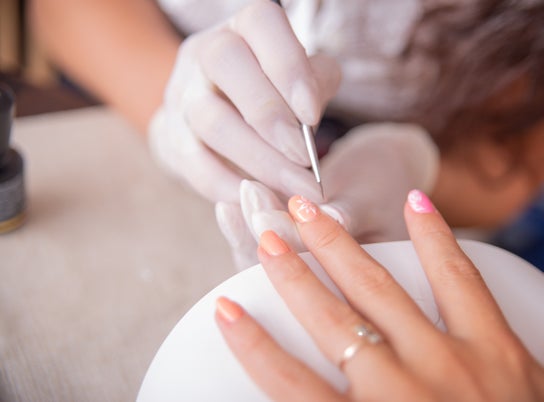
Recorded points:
382,341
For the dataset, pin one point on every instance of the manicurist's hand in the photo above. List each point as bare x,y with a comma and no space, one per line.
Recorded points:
234,104
366,176
382,341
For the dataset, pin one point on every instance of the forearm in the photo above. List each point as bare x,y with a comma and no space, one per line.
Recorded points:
121,51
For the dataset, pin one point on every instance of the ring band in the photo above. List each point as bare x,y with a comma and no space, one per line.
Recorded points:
365,335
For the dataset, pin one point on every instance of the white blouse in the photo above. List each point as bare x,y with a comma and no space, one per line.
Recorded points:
366,37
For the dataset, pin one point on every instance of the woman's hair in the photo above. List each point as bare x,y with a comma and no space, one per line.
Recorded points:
491,77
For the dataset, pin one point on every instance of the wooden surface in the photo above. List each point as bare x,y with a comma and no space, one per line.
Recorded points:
113,253
35,99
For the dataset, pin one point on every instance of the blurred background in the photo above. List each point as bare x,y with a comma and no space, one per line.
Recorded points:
39,88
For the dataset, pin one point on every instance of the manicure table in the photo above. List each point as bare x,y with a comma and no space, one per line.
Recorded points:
107,293
112,254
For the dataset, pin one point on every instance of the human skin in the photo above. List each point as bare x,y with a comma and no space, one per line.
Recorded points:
478,358
122,51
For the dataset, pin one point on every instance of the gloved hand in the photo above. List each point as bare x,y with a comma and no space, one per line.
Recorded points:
366,176
234,103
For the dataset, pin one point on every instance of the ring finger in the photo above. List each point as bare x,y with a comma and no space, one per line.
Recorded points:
332,323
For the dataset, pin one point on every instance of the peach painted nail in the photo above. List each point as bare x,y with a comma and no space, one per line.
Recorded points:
273,244
228,310
302,209
419,202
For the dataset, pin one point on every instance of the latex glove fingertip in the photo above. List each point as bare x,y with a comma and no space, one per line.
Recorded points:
258,195
159,144
231,223
233,226
281,223
255,196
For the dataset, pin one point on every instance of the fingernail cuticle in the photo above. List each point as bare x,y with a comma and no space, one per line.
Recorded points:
302,209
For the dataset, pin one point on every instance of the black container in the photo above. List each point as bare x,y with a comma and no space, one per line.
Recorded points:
12,188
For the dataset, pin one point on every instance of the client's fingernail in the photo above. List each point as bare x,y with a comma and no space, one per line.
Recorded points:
228,310
303,210
419,202
273,244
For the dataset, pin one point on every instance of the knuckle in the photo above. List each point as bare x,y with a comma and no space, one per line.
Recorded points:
294,274
205,119
375,283
449,361
515,362
511,352
254,15
219,49
326,239
264,111
458,267
440,234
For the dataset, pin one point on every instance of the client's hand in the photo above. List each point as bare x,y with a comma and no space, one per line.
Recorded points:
382,341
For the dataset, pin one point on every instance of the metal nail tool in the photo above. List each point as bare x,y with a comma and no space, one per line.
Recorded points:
309,139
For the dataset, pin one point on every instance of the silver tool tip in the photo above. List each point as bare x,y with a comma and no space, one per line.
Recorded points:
308,134
322,192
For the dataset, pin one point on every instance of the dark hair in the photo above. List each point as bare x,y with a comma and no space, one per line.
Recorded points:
491,78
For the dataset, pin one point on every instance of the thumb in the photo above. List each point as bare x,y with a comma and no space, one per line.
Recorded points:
233,226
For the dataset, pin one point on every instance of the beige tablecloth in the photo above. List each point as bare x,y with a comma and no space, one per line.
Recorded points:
113,253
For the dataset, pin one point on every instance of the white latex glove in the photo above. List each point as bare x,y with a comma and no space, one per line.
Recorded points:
366,176
260,209
234,103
